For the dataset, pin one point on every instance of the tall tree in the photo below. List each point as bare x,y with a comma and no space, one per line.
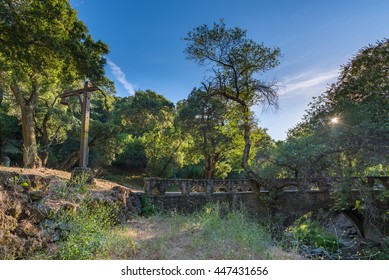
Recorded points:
204,118
44,48
236,61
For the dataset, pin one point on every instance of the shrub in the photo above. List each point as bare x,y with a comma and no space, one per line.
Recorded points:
86,230
309,232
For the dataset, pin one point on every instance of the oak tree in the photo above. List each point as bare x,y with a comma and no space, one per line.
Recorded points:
235,65
44,49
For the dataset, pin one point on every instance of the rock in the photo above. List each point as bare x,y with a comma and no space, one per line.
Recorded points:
56,236
6,161
36,195
68,206
26,228
121,189
48,224
14,210
53,235
317,251
137,202
11,247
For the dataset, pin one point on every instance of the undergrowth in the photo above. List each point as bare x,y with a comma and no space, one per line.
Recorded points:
215,232
310,232
91,232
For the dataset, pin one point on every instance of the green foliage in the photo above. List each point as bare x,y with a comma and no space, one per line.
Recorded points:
148,208
378,170
10,134
44,50
143,112
235,61
88,230
147,127
355,145
74,191
309,232
214,137
206,133
133,156
194,171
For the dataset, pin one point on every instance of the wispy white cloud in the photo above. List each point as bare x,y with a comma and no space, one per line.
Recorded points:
120,76
308,83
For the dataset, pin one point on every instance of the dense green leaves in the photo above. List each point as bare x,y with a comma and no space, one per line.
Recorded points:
44,49
203,120
360,100
358,142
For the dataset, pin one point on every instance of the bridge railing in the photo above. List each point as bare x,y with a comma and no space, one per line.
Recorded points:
159,186
155,186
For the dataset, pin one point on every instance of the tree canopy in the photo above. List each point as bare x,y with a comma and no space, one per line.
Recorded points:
235,63
345,131
44,49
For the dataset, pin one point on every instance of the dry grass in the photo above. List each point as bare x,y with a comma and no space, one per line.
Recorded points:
101,184
199,236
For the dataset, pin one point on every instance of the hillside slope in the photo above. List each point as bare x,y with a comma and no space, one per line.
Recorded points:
46,172
30,197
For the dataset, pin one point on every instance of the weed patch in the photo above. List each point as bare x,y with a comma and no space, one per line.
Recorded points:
308,232
214,232
90,232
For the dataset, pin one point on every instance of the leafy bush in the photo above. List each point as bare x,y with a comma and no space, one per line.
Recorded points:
309,232
87,230
148,208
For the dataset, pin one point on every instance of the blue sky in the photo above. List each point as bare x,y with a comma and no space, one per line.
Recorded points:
315,37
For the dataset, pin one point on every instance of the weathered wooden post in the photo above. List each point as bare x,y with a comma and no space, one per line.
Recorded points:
84,95
85,112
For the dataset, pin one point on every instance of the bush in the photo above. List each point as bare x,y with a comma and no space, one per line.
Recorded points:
148,208
86,230
309,232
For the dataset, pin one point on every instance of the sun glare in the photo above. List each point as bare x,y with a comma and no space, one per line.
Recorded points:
335,120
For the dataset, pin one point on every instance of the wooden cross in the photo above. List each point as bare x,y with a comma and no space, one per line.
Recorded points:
84,95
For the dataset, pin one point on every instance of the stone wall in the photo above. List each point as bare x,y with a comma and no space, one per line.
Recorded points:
289,198
159,186
187,195
27,205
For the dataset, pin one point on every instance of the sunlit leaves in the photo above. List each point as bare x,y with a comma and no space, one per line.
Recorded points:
360,102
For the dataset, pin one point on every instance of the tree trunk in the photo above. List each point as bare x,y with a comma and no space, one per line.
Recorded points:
70,161
209,168
45,156
30,149
247,147
44,131
1,96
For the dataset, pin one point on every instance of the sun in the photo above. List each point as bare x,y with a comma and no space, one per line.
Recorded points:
335,120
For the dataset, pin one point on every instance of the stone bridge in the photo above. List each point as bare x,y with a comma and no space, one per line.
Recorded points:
289,198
